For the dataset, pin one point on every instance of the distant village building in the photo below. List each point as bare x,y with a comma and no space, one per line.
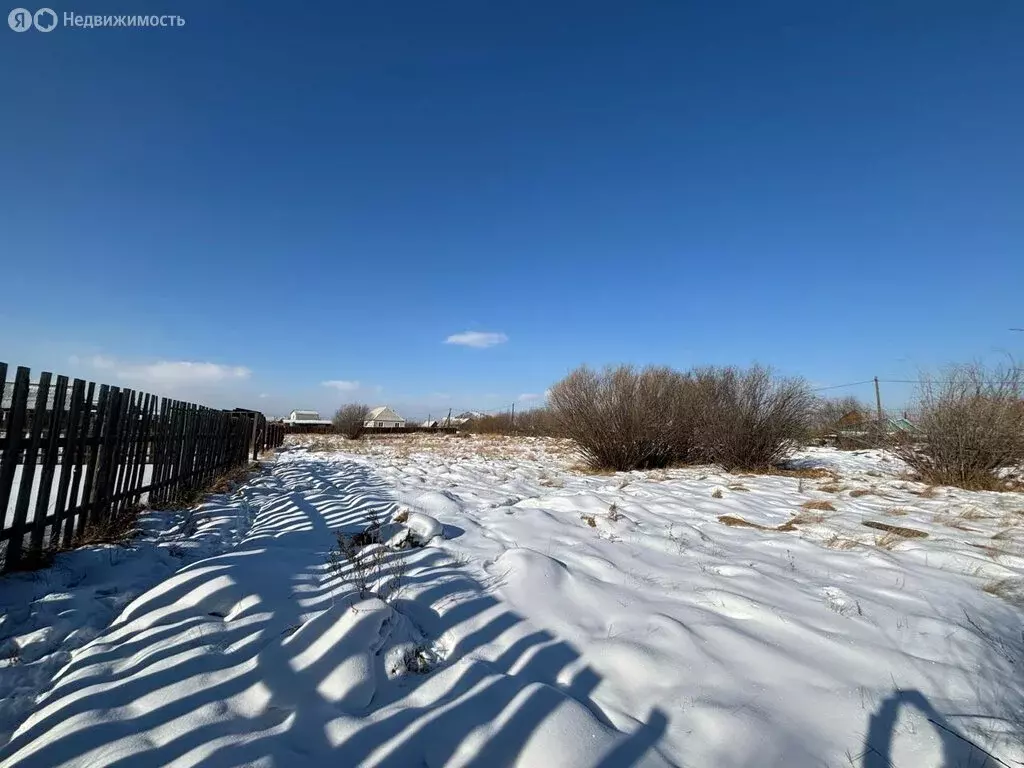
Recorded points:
383,416
463,418
305,417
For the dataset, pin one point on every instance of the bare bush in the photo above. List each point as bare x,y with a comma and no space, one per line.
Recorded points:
493,424
348,420
748,419
535,422
971,426
624,418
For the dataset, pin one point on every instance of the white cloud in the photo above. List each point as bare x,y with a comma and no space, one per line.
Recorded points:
181,372
340,385
477,339
167,373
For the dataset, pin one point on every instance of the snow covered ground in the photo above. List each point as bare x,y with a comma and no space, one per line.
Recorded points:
684,617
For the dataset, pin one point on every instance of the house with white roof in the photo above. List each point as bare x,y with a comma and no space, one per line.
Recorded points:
383,416
305,417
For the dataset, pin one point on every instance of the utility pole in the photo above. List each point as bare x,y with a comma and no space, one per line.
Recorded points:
512,420
878,401
448,421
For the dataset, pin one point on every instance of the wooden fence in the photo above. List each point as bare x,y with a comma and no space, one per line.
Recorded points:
74,454
329,429
408,430
306,429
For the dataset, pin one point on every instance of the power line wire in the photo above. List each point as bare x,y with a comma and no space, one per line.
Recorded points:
839,386
911,381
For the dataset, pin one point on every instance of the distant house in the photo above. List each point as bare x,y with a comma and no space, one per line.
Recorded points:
852,419
858,424
430,424
383,416
464,418
305,417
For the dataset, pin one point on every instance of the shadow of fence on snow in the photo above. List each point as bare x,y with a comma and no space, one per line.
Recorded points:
201,668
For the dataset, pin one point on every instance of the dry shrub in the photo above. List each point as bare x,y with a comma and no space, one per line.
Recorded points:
227,481
835,541
805,518
888,540
118,527
739,522
589,520
861,492
804,473
830,488
534,422
1010,590
790,525
749,419
33,560
717,494
624,418
952,521
374,567
349,419
974,513
907,533
971,428
824,506
896,512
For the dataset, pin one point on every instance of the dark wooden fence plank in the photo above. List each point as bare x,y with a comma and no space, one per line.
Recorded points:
136,444
69,451
203,447
143,448
163,452
79,493
3,388
174,449
124,454
9,460
191,438
181,448
12,448
50,451
99,424
107,467
216,421
19,527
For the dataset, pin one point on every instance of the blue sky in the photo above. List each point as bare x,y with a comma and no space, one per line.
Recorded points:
286,195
